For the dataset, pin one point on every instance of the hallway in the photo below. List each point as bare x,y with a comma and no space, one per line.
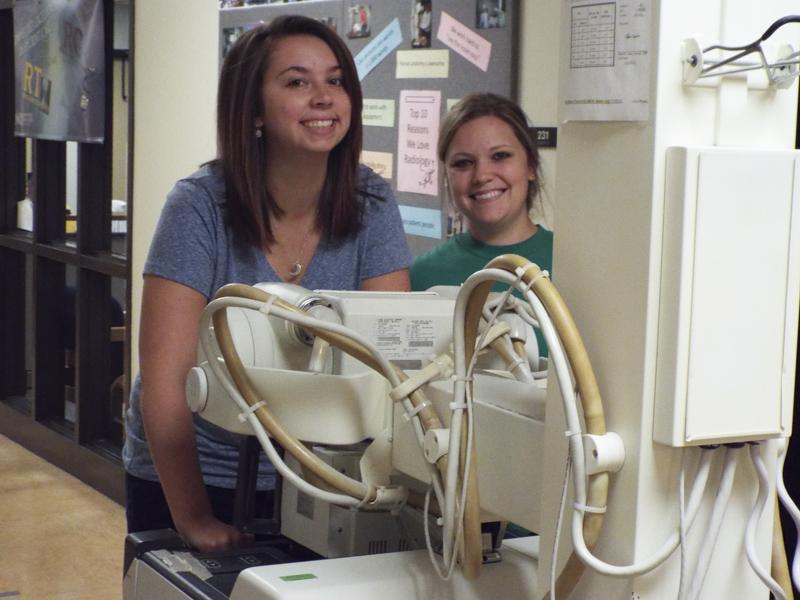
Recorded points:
59,538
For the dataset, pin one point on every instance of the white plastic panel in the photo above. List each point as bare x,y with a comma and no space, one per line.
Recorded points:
509,435
392,576
729,296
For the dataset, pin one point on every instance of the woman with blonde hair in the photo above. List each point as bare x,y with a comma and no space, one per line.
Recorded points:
492,177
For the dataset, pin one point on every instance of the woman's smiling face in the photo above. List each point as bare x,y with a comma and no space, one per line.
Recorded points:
488,174
306,108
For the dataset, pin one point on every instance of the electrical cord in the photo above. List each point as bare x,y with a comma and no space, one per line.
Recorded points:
794,513
336,334
518,271
361,349
753,46
355,345
206,339
682,529
752,523
715,521
559,523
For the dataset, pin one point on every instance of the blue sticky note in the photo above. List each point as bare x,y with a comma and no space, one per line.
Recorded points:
426,222
379,48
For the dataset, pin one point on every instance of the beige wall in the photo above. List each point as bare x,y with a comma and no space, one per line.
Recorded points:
538,87
175,57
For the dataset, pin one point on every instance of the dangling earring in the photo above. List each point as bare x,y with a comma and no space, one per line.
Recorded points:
259,133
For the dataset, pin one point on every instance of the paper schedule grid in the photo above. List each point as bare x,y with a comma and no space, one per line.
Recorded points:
593,31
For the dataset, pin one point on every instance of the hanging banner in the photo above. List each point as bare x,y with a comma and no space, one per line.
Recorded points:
59,67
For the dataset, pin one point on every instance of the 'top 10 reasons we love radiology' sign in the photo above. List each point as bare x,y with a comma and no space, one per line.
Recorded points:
417,167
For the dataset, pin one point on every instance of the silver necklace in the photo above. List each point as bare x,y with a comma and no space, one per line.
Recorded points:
296,269
297,265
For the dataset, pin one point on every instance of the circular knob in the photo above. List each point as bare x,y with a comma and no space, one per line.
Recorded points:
435,444
196,389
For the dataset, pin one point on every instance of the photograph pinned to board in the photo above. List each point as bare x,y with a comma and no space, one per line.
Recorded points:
421,23
231,34
359,17
329,21
490,14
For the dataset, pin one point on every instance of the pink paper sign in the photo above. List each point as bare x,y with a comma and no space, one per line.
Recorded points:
464,41
417,165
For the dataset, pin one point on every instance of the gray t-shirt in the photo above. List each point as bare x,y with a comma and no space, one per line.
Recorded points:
193,246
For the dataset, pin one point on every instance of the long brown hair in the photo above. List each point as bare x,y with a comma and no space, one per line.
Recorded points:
242,155
474,106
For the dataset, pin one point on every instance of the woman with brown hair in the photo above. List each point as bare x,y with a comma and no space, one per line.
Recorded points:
285,200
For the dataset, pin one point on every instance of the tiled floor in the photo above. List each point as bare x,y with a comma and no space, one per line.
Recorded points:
59,539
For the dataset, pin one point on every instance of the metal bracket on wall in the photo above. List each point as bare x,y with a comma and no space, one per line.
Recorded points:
705,65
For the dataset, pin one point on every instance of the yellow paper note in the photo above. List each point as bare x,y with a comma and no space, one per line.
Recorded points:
378,113
380,162
422,64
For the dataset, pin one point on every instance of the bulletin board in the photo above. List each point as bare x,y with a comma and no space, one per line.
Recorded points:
414,62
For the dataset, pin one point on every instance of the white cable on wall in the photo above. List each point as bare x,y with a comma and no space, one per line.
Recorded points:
666,549
752,524
561,368
791,508
715,521
682,528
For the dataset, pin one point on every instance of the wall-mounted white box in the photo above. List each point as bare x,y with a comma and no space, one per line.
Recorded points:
730,287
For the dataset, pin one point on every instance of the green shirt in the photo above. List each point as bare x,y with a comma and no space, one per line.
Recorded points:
462,255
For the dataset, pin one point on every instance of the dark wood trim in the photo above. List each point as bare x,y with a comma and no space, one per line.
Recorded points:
10,191
24,242
94,196
18,240
92,354
12,264
96,469
49,190
12,324
50,329
105,263
129,308
95,162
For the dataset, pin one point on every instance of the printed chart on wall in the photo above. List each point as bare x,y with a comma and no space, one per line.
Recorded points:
606,54
415,59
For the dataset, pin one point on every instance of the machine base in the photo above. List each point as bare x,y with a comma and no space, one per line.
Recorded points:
394,576
159,565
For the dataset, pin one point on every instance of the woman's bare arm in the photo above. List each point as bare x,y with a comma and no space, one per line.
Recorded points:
168,349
